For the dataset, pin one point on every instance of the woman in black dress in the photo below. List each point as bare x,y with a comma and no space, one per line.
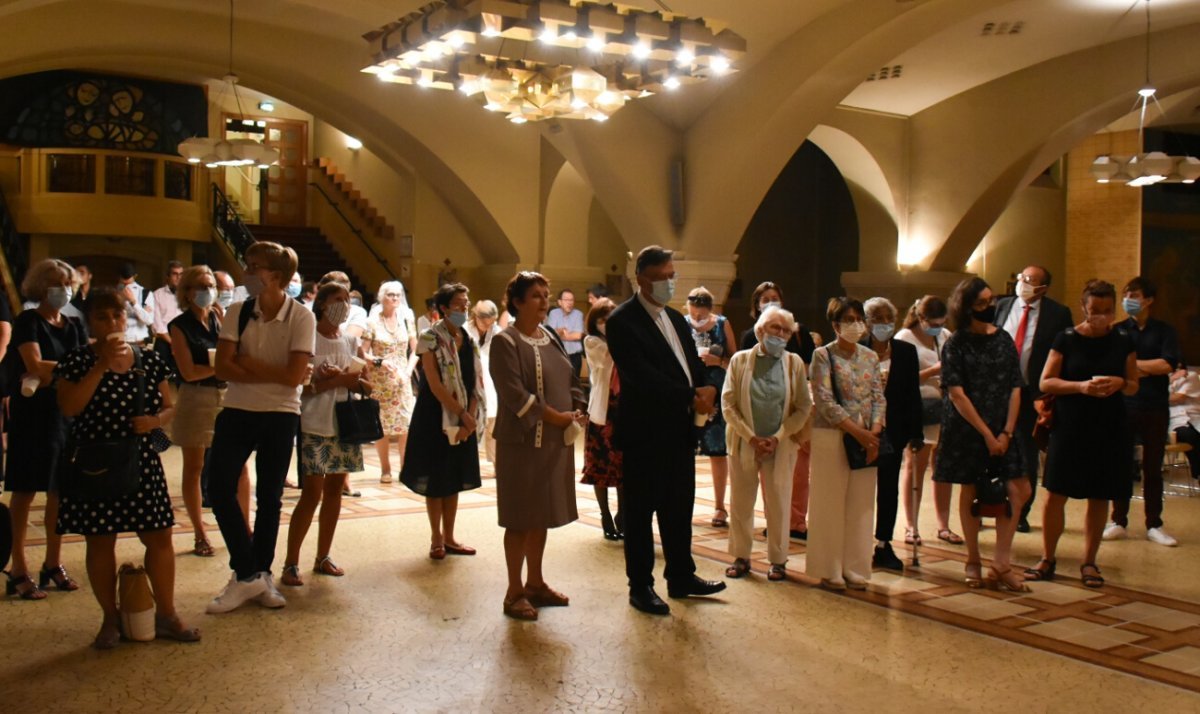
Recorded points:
97,386
442,458
1090,370
36,428
981,379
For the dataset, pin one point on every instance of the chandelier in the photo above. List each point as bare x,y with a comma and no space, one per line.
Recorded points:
214,152
543,59
1147,168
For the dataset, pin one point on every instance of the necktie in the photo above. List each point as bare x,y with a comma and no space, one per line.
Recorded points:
1021,329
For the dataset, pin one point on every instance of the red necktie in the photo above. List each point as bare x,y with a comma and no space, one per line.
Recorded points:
1021,330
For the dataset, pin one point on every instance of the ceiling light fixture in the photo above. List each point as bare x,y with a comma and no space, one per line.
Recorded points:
544,59
213,151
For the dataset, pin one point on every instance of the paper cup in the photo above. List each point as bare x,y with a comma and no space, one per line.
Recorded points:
116,336
700,419
356,365
212,357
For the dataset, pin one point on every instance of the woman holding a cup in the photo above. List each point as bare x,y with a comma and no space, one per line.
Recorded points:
193,344
714,343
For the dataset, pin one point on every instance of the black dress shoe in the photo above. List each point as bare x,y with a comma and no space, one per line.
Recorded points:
886,558
694,586
610,529
648,601
1023,525
799,535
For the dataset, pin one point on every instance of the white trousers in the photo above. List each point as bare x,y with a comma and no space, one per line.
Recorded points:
841,512
776,474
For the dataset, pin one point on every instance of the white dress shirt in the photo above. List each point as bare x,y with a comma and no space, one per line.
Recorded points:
659,315
165,307
1014,322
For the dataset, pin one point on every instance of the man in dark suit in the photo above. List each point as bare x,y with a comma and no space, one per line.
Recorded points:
1033,321
662,391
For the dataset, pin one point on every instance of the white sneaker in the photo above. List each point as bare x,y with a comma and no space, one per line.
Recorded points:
236,593
1158,535
270,597
1114,532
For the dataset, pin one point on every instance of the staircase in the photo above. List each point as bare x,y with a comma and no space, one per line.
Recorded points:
368,214
317,256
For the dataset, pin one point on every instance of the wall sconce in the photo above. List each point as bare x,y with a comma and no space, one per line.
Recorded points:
267,106
353,144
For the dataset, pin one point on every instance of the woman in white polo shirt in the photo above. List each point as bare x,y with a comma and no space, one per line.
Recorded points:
264,352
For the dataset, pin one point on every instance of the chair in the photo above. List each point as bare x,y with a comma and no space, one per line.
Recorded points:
1175,462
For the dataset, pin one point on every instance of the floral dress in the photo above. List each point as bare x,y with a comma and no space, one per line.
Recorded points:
107,417
393,390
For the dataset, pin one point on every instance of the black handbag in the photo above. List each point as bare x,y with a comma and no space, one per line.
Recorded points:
931,411
358,421
991,492
856,453
104,470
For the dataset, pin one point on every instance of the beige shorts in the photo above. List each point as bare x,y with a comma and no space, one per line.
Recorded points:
195,414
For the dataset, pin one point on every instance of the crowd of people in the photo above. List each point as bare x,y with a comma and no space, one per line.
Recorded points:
973,388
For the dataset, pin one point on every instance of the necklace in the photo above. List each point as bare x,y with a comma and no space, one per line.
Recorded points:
393,332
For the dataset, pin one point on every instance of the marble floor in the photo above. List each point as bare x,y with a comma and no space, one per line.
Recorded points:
402,633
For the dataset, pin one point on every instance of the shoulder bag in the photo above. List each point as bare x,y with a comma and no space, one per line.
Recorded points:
856,453
358,420
991,492
103,470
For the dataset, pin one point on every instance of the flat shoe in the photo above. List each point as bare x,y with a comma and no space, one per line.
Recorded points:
720,519
437,552
520,608
459,549
949,536
203,548
546,596
326,566
776,573
739,569
385,477
173,629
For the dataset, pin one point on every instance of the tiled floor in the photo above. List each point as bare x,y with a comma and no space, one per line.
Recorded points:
328,644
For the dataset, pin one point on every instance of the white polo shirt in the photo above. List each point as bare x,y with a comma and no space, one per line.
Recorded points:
293,329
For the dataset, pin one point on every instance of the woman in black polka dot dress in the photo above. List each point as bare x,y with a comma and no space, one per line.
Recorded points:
96,386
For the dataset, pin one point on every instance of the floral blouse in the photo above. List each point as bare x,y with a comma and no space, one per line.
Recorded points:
859,384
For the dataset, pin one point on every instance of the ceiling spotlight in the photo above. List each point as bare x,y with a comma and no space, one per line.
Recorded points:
1146,92
266,106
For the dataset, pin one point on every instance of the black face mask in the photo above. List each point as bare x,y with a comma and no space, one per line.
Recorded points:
988,314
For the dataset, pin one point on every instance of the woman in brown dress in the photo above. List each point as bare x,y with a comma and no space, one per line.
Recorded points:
540,415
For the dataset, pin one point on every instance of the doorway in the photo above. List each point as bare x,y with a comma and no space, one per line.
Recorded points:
274,196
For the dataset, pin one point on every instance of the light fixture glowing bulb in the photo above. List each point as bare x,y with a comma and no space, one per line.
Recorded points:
685,56
548,35
518,120
353,144
671,83
720,63
596,43
641,50
490,32
456,41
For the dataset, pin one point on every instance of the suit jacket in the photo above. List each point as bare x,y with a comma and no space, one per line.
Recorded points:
903,395
1055,318
655,409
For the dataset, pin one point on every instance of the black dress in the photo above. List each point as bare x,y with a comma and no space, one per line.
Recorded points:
988,370
1090,446
432,467
107,416
37,430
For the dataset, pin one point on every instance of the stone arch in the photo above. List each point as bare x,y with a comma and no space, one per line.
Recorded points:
568,209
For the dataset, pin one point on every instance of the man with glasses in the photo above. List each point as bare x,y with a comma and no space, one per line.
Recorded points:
1032,320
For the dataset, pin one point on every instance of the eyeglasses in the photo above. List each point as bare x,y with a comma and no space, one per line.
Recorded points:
391,295
1028,280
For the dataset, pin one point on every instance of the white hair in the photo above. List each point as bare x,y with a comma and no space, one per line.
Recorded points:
772,313
877,303
486,309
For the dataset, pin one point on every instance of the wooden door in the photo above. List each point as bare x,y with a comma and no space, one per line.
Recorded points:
287,181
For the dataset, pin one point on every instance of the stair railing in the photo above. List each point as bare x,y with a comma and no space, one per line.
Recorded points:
228,227
14,256
362,239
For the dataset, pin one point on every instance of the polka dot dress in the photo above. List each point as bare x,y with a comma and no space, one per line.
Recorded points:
107,416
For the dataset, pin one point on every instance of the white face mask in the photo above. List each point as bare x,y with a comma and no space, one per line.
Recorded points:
1025,291
852,332
336,312
663,290
204,297
225,298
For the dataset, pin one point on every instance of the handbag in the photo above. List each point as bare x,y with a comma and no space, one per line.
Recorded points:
931,411
358,421
136,603
856,453
991,493
1043,406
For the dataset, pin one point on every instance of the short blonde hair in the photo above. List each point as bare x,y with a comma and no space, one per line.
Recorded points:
772,313
486,309
190,279
41,273
278,258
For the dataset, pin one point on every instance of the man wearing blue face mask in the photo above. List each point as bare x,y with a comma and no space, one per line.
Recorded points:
662,398
1033,321
1148,410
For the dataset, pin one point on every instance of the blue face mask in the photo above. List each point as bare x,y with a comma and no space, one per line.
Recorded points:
774,345
225,298
882,333
293,290
934,331
458,319
204,297
253,284
1132,306
663,290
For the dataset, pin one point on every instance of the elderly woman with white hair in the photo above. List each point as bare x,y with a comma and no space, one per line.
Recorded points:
767,405
390,344
482,327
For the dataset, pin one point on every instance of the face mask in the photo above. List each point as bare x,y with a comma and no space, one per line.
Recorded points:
774,345
883,333
205,297
852,332
934,331
253,284
58,297
458,319
988,314
1132,306
225,298
293,290
356,302
336,312
1025,291
662,291
773,303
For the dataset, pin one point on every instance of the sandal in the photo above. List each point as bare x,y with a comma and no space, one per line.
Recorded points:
385,477
739,569
203,548
107,639
24,587
973,575
459,549
1091,580
437,552
173,629
949,536
720,519
545,596
519,608
291,576
776,572
326,566
1038,573
911,537
58,576
999,580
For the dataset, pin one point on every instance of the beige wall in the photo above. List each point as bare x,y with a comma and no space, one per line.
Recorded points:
1029,231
